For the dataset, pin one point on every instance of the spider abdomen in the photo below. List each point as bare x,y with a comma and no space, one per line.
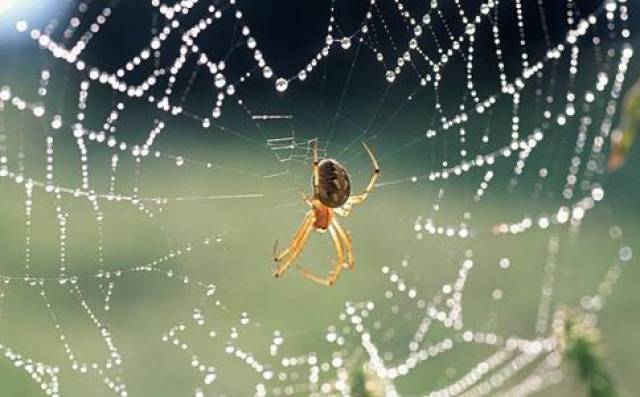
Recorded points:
334,186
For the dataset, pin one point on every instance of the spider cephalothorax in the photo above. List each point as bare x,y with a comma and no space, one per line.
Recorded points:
331,193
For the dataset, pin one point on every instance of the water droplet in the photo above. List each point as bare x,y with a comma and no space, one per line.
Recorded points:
209,378
505,263
470,29
220,80
615,232
345,43
625,253
56,123
597,193
38,111
391,76
21,26
281,84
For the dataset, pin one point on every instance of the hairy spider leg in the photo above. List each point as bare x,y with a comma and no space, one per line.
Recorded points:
306,199
346,242
286,257
359,198
333,274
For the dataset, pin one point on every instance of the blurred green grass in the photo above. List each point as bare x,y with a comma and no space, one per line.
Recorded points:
145,305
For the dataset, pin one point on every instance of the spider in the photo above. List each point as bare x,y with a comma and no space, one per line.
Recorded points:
331,194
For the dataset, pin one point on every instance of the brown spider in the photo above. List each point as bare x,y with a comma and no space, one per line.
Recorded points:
331,193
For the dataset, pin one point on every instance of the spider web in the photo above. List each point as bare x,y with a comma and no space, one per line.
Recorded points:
151,153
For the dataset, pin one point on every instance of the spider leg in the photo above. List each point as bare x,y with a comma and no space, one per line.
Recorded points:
327,282
338,267
357,199
346,243
343,211
306,199
286,257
